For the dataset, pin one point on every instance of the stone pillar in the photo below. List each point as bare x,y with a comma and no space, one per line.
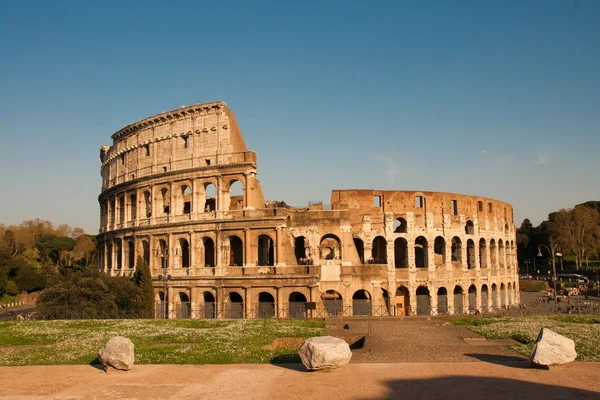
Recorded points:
278,246
450,297
412,266
278,300
412,292
449,255
153,204
478,299
171,248
431,255
464,250
476,255
433,300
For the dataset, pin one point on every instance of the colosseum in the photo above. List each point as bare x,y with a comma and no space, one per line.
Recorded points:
180,189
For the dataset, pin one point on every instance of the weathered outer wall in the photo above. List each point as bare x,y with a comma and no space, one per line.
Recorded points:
155,202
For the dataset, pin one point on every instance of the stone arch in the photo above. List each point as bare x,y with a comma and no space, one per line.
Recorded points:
494,296
209,310
297,305
493,252
379,250
165,200
501,254
209,252
401,253
439,251
333,302
266,305
456,251
482,253
119,252
235,195
162,253
509,294
502,295
109,255
470,254
330,247
361,303
423,301
472,299
210,197
484,298
132,207
266,251
236,251
300,243
402,301
130,254
400,225
470,228
185,253
147,204
235,308
183,306
146,251
458,300
421,252
442,294
160,308
360,249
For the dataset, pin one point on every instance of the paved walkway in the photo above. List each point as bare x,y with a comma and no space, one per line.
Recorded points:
417,340
466,380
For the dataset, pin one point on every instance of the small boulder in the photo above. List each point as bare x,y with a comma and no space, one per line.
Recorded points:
117,353
324,352
552,349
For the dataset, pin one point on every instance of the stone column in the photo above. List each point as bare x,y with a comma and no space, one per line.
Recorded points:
450,297
431,255
171,248
433,300
412,266
448,254
464,250
277,246
247,248
412,293
476,255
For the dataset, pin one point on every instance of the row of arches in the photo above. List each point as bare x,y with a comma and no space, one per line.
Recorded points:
168,200
234,307
400,225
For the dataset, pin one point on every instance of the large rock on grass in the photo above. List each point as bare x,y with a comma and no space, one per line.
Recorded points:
324,352
552,349
117,353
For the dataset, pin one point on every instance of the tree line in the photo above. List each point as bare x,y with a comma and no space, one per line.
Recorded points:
573,232
61,263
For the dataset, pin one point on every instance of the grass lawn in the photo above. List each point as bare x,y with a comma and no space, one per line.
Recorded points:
583,329
189,341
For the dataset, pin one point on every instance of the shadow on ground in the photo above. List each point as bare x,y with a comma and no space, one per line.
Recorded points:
511,361
470,387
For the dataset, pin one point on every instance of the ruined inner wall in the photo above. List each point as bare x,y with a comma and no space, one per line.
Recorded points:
167,196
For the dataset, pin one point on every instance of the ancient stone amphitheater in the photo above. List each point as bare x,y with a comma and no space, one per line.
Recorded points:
180,189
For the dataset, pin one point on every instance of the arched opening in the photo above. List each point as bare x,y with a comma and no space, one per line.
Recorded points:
333,303
185,253
122,209
361,303
421,252
456,251
494,296
266,251
210,199
297,305
300,250
147,204
210,309
119,253
402,301
162,254
509,294
165,199
502,295
132,207
209,252
146,251
484,299
401,253
266,305
400,225
507,255
470,254
161,306
501,255
183,306
470,228
423,301
493,254
506,229
439,251
330,247
186,196
236,251
130,254
236,306
482,253
458,300
379,251
360,249
442,294
236,195
472,299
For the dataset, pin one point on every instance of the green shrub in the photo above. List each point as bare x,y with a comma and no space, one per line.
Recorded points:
533,286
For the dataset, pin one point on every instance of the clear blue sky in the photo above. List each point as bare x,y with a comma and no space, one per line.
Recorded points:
494,98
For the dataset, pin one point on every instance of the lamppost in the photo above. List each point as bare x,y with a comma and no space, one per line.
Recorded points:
163,253
553,249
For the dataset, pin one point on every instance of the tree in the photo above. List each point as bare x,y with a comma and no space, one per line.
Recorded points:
577,231
142,278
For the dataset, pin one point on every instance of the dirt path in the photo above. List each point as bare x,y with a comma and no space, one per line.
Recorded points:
355,381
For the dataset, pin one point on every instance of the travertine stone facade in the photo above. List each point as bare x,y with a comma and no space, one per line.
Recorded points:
168,195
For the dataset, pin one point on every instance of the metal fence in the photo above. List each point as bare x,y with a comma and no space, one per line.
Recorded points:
331,309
